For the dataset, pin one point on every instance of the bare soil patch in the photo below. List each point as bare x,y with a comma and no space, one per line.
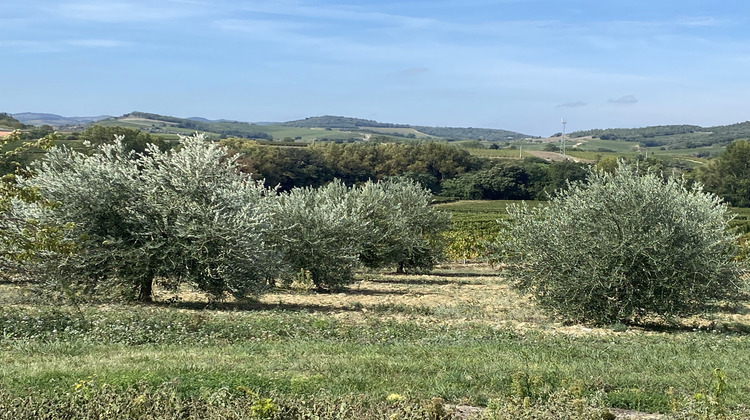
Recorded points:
557,157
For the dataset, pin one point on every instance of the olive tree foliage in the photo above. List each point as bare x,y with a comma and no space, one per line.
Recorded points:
329,232
404,229
318,233
622,247
22,240
183,215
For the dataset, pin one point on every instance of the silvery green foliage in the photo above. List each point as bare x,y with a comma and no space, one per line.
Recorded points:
332,230
404,228
319,231
621,247
185,215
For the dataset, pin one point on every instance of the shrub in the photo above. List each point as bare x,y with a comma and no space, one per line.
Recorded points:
23,240
620,247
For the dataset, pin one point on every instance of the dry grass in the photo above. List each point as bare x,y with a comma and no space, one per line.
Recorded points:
451,295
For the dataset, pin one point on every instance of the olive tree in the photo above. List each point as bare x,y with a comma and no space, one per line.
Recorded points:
620,247
329,232
403,229
319,233
184,215
23,240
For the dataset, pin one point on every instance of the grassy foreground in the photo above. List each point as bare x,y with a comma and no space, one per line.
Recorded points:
433,346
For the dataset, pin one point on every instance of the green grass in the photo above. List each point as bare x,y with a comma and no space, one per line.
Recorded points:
301,353
460,335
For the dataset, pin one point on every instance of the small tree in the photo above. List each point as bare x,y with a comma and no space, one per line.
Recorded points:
620,247
403,229
729,175
184,215
318,232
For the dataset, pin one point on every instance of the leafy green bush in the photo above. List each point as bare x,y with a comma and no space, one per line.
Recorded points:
328,232
21,239
621,247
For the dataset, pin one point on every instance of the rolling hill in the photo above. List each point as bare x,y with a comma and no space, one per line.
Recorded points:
673,136
348,129
33,118
448,133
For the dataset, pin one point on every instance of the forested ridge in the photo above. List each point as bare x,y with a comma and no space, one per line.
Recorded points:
672,136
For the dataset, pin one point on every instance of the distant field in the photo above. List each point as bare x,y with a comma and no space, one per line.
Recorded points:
499,153
401,131
594,149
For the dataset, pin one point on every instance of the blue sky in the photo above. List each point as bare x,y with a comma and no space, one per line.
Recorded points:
519,65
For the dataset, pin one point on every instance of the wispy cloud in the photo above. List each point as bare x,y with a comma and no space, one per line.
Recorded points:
413,71
624,100
97,43
576,104
43,47
699,21
110,11
332,12
27,46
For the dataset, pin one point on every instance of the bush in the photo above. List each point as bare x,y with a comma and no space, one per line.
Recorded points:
620,247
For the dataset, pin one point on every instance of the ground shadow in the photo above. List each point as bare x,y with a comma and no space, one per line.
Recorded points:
453,274
722,328
251,306
371,292
408,280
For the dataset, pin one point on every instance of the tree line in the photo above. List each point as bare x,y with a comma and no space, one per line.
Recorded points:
443,169
440,167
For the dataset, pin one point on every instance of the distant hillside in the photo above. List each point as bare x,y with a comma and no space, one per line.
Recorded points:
449,133
331,121
162,123
7,121
673,136
32,118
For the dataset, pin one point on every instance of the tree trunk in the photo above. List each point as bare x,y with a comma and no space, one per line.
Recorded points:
400,269
145,291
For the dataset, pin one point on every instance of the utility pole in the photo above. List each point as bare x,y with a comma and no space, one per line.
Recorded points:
562,141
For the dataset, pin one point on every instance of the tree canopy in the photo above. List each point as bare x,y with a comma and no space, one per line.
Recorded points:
729,174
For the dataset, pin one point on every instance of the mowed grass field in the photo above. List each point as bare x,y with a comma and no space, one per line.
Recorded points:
388,346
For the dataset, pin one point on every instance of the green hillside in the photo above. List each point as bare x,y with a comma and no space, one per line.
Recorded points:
8,122
448,133
170,127
672,136
154,123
